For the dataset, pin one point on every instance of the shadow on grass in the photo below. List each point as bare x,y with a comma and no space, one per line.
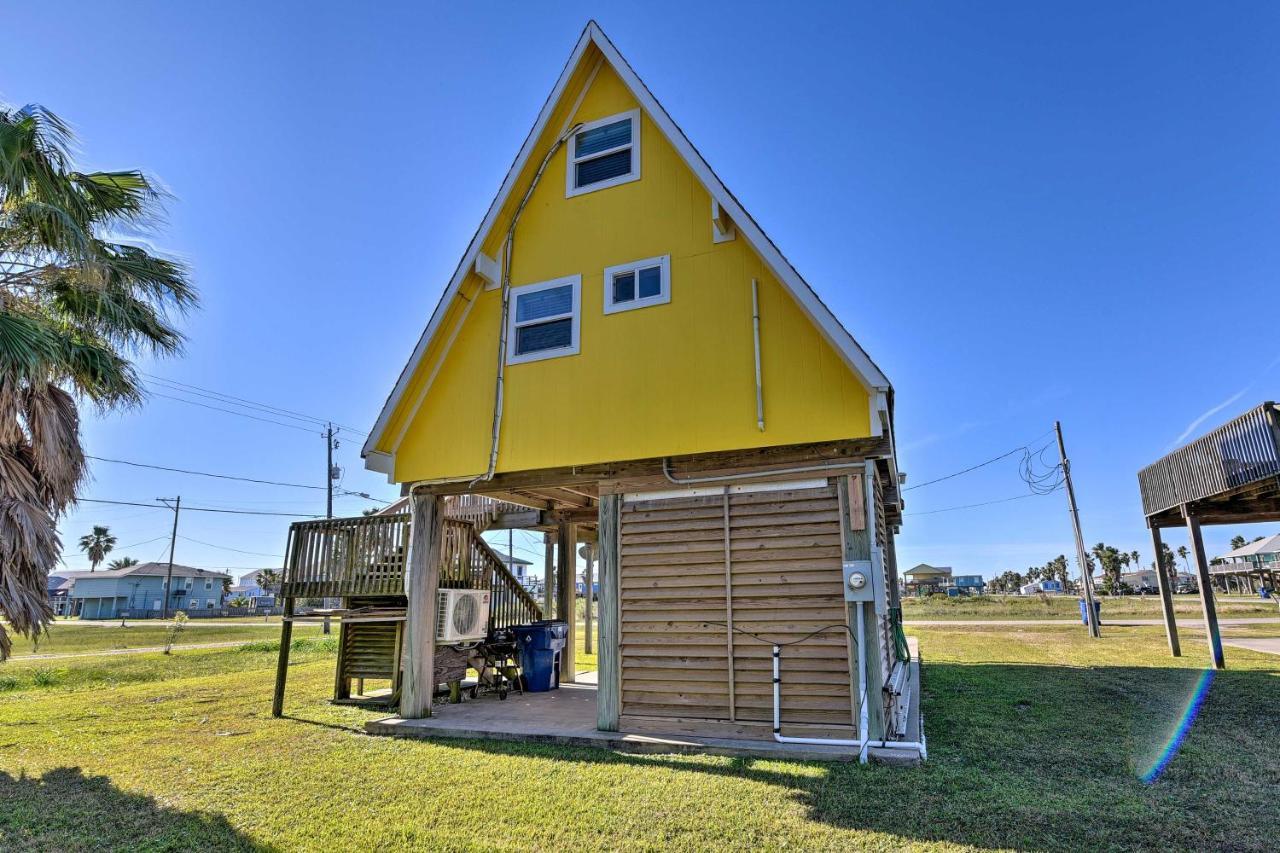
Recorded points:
66,810
1043,758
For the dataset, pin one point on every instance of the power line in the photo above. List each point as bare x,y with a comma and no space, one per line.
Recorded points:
200,508
211,394
225,548
967,470
345,492
974,506
1025,449
232,412
204,473
117,547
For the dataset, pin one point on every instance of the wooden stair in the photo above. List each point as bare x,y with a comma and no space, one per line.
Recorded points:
372,649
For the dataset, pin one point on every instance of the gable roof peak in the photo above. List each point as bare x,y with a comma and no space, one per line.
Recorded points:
854,356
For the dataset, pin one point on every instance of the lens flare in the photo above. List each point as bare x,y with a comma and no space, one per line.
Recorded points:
1181,729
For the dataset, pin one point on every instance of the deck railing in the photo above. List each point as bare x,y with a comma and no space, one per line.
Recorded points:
1235,454
340,557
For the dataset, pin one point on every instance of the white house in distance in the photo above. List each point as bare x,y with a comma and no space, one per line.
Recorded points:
515,565
1251,564
250,587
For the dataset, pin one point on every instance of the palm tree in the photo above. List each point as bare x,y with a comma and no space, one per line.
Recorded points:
122,563
97,544
76,304
1238,542
269,580
1136,560
1182,552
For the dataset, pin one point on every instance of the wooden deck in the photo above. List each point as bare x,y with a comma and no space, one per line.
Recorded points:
567,717
1229,476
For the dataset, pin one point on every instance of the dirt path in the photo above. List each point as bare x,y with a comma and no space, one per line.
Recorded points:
1120,622
132,651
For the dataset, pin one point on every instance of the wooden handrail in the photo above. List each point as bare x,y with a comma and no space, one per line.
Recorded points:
341,557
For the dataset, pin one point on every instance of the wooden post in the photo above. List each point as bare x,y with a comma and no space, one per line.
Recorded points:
422,580
341,684
609,689
1166,596
282,664
1206,588
548,575
858,526
566,601
587,647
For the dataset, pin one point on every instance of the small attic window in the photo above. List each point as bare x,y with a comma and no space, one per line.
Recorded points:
637,284
604,153
543,320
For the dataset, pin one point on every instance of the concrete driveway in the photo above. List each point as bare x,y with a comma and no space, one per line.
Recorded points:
1270,645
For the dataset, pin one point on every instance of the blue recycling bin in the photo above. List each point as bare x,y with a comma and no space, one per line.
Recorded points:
540,645
1084,612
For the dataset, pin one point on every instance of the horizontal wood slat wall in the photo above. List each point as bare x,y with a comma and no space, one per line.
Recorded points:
784,552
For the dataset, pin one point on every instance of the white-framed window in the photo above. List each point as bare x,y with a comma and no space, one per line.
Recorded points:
603,153
543,320
637,284
208,584
211,604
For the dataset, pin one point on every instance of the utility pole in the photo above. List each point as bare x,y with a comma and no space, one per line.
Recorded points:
173,538
328,470
329,445
1086,579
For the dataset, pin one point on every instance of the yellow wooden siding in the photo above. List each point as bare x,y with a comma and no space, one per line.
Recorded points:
663,380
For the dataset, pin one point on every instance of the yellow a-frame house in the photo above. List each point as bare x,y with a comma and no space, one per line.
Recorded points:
623,357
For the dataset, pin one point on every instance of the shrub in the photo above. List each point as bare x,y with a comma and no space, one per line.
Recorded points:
175,630
8,682
44,676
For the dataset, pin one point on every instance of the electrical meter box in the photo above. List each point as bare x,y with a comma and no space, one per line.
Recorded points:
859,583
863,581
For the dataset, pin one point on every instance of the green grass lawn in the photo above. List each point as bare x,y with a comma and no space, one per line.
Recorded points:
1067,607
64,638
1037,739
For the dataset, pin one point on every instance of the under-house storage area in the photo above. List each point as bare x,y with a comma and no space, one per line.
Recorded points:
708,584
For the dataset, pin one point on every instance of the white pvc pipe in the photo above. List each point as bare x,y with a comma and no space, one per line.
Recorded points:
862,741
777,714
755,327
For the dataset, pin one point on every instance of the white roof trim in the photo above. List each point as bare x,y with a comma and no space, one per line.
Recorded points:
854,356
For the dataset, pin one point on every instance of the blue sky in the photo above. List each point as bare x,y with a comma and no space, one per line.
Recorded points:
1024,212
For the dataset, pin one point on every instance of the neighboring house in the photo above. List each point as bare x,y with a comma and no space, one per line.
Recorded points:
969,583
923,579
59,590
1261,556
1039,587
250,587
1145,580
623,350
139,591
515,565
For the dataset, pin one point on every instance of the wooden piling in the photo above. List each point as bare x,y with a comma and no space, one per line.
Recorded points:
422,580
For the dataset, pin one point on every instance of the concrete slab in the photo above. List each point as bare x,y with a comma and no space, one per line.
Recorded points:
567,717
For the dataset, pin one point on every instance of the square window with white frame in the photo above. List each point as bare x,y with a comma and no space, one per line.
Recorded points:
543,320
603,153
637,284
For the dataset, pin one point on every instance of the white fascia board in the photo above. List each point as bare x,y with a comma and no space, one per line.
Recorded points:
482,233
